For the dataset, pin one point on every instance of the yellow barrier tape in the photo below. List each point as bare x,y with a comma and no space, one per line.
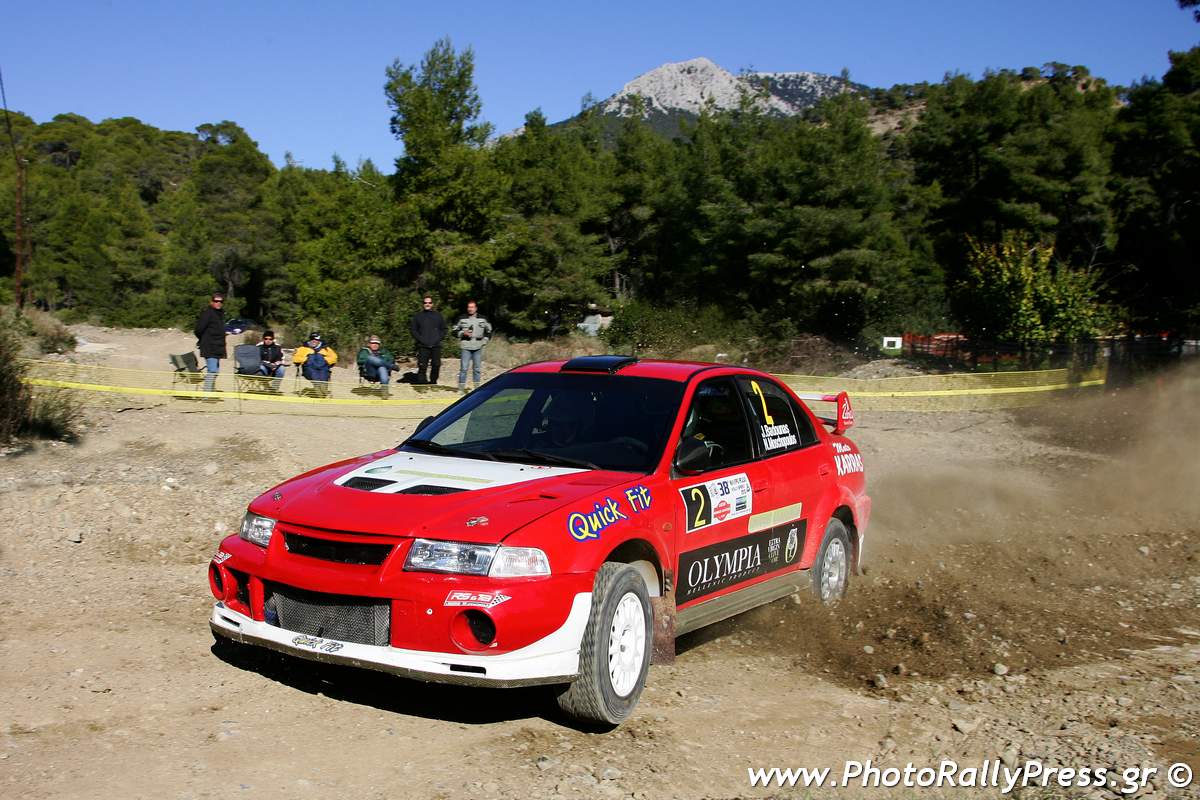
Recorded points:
259,397
224,395
994,390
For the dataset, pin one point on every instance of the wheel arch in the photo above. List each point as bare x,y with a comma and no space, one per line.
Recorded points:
642,556
845,515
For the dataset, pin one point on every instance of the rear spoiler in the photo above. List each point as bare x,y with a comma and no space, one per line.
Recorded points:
845,414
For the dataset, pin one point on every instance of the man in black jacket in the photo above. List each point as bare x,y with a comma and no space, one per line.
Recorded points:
270,356
210,338
428,328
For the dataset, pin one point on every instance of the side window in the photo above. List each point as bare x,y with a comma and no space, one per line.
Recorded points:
716,418
775,424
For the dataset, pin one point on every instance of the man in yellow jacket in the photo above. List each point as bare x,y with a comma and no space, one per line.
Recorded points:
315,358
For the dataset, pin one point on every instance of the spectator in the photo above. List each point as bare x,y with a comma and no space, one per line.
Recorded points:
271,357
315,358
428,328
376,363
473,333
210,338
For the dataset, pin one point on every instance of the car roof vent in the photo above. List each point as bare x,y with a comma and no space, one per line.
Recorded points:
366,484
425,488
609,364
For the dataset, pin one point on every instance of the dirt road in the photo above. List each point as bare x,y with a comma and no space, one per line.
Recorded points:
1033,593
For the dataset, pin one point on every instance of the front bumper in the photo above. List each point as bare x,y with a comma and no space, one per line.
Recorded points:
551,659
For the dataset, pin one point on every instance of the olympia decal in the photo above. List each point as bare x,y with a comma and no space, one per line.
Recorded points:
716,501
710,569
584,525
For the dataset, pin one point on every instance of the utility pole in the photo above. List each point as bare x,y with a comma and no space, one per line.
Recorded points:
19,269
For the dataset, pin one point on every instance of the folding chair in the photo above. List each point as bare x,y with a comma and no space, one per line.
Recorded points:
247,370
316,388
187,371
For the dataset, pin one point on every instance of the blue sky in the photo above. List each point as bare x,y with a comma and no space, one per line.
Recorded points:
307,77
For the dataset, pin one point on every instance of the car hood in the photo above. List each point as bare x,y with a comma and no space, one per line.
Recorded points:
419,494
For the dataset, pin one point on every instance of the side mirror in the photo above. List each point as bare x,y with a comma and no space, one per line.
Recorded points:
692,455
423,424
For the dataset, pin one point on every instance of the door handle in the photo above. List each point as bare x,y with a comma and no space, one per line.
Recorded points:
823,470
759,486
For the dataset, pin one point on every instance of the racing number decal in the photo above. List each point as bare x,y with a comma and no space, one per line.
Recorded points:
767,418
716,501
699,509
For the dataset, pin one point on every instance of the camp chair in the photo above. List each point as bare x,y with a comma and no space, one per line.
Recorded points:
187,371
368,381
315,388
247,365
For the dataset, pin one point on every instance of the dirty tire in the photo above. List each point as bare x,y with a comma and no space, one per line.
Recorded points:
594,698
831,570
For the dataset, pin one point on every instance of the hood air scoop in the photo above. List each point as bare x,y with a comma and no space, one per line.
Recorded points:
366,484
425,488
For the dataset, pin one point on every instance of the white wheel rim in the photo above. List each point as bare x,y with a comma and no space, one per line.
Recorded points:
833,571
626,644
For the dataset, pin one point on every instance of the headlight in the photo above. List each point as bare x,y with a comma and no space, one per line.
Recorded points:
257,529
431,555
514,562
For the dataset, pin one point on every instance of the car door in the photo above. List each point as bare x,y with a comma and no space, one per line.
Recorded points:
797,471
715,504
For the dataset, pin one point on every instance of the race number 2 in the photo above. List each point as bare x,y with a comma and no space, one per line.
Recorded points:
698,505
716,501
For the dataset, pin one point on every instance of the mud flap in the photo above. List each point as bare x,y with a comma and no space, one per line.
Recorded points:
664,628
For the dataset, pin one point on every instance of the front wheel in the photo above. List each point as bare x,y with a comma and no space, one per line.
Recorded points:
614,655
831,570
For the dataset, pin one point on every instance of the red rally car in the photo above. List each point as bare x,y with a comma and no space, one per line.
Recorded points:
560,525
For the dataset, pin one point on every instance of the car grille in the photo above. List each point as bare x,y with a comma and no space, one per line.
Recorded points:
360,620
366,484
333,550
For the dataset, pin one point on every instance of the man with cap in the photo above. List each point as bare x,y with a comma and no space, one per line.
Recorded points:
315,358
375,363
210,338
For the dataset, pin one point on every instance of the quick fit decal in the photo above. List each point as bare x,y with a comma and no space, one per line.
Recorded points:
584,525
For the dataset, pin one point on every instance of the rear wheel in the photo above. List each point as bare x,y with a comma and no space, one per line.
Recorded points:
614,655
831,570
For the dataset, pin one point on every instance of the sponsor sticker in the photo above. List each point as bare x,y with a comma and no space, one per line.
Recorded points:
221,557
316,643
710,569
716,501
460,598
774,435
585,525
846,459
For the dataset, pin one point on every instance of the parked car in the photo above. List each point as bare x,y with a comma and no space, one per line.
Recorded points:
559,525
242,324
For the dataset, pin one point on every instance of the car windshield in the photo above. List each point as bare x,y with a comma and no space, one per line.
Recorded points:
559,419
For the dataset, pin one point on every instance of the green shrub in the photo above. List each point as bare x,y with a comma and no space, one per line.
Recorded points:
46,413
52,336
53,414
644,329
14,395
